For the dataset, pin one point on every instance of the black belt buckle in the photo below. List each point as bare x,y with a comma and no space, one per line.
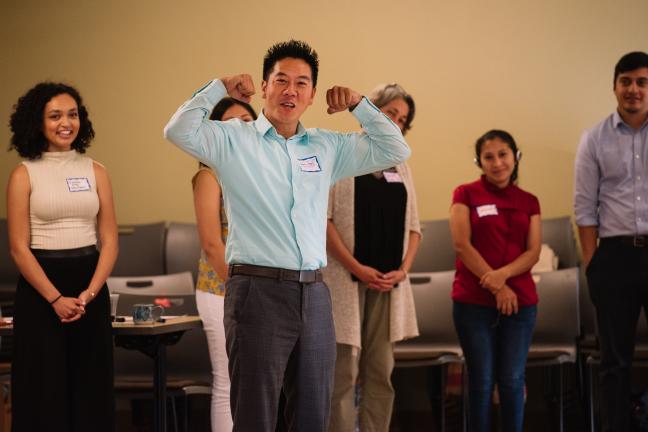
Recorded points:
639,241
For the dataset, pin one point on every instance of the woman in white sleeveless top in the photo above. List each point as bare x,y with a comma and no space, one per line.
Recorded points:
57,202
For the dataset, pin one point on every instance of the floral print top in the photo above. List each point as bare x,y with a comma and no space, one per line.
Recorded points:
208,279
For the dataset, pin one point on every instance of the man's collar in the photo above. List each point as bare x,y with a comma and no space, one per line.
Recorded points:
618,120
263,125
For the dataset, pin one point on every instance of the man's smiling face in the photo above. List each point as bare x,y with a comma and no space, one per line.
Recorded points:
288,91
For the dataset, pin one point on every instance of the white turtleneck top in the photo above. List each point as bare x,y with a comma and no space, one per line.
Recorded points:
63,203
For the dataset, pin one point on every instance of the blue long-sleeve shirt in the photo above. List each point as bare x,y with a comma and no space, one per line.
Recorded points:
276,189
611,182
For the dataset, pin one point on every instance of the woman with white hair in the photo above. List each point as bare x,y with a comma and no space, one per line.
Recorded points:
373,235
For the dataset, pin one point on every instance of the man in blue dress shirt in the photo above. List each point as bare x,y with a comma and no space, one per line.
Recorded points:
276,176
611,205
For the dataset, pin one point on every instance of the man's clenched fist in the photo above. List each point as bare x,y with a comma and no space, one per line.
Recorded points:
341,98
240,87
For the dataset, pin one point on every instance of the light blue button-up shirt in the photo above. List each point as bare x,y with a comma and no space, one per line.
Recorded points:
611,184
276,189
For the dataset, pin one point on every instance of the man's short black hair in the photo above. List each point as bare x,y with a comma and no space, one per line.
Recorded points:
629,62
291,49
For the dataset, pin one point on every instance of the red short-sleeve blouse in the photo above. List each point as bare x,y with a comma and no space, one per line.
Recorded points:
499,221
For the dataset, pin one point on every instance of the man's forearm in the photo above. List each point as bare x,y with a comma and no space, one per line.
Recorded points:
588,236
338,249
384,134
381,147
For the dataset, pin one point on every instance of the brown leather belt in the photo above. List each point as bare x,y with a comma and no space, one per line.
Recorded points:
302,276
638,241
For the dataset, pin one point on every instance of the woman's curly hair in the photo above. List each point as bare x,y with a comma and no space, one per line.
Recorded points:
26,121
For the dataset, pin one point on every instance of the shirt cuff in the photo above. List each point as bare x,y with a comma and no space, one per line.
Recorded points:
585,220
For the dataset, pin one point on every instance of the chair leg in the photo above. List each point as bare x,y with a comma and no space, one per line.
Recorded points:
561,406
590,374
464,395
175,414
580,370
443,399
186,413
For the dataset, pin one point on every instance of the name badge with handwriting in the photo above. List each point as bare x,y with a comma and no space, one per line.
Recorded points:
487,210
309,164
78,184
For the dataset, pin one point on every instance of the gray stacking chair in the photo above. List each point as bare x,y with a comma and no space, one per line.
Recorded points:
141,250
436,252
438,344
182,248
559,234
557,328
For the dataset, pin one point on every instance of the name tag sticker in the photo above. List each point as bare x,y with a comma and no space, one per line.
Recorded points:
392,177
487,210
309,164
78,184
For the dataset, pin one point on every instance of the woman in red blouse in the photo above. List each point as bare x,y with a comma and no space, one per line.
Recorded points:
496,232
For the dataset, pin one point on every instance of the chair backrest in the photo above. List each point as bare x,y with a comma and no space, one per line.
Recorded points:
141,250
186,360
182,248
8,271
558,321
9,275
436,252
558,233
434,310
159,285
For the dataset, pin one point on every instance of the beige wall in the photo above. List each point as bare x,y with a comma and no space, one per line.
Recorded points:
540,69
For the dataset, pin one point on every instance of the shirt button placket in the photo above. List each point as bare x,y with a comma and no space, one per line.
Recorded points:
294,185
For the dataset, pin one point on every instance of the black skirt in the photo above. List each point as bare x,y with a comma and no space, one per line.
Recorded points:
62,374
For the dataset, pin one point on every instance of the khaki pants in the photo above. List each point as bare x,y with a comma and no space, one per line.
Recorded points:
372,367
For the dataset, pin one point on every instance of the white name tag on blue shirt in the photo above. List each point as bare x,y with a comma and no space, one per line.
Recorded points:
392,177
309,164
78,184
487,210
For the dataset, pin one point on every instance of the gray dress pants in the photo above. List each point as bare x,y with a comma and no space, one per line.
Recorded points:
279,333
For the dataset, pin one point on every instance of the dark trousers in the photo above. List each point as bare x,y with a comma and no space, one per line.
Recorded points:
618,283
279,334
62,374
